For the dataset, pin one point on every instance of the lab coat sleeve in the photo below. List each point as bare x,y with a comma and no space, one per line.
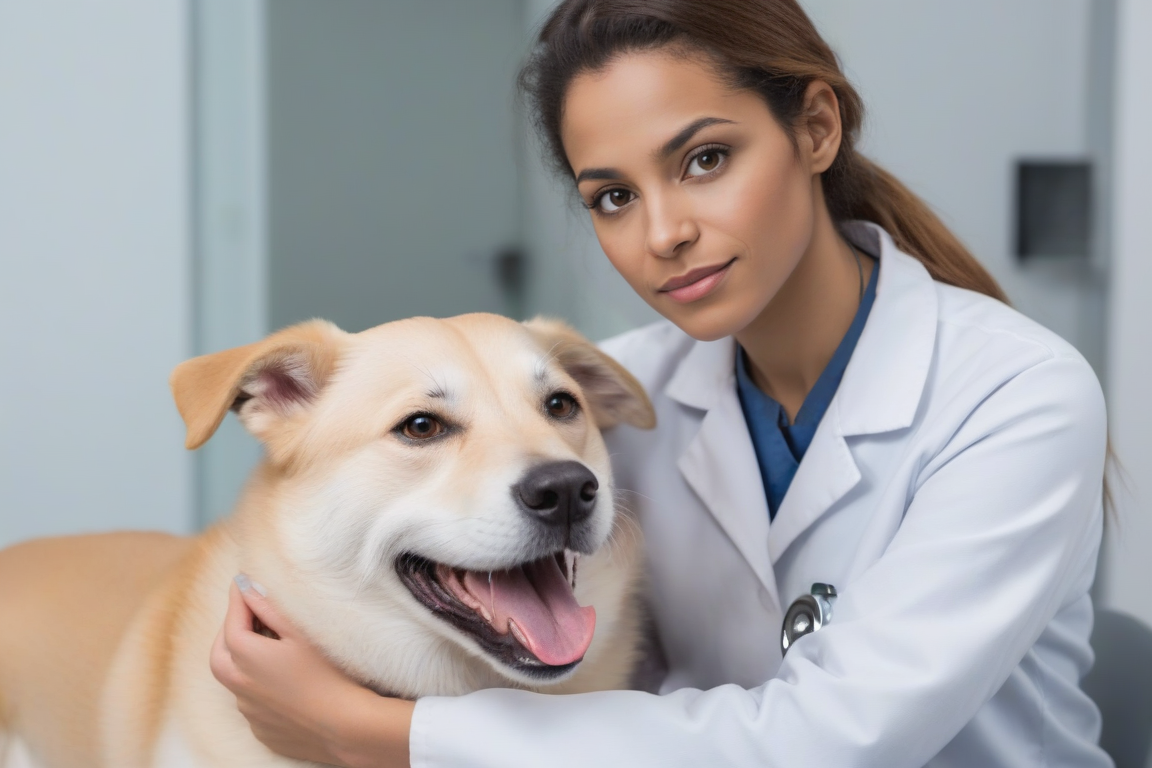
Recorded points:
1000,523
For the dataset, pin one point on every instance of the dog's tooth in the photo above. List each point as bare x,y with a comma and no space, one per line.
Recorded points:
474,601
517,633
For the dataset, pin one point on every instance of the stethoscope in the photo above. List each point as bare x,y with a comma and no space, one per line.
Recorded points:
807,614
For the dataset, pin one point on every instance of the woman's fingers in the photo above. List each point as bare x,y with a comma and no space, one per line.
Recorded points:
247,643
238,619
237,631
237,622
255,598
224,667
239,645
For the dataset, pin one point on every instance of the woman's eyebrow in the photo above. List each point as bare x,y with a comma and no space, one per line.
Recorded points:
686,133
598,173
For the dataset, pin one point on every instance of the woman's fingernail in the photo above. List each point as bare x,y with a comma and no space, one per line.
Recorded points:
246,584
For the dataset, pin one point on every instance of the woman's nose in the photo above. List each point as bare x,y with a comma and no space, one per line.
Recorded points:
670,228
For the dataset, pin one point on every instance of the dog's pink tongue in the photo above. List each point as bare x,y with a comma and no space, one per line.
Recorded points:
539,599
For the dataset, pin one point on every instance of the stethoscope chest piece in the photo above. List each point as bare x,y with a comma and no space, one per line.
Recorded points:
807,614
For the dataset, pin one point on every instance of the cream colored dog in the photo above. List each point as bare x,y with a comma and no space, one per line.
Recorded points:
435,511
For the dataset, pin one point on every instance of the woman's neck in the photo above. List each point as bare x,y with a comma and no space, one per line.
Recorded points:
790,343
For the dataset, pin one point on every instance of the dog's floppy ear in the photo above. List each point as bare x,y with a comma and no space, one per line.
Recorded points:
614,394
265,383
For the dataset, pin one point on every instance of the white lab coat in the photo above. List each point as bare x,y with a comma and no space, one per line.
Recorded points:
952,494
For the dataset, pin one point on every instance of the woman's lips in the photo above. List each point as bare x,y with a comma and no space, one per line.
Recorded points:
695,284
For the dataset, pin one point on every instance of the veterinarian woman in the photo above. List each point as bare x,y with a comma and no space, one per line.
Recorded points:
843,397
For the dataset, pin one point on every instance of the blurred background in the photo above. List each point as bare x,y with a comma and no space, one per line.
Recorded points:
182,176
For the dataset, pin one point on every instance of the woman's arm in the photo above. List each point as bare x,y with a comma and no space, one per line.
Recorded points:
1002,528
296,701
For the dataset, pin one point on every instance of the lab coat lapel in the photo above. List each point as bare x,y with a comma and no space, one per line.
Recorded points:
825,475
719,463
880,391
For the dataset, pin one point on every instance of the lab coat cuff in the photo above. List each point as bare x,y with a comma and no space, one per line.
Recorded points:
421,737
469,730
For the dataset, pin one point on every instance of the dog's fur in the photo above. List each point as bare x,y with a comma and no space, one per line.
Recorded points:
104,640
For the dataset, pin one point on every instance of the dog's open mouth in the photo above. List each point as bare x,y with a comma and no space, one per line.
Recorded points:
527,616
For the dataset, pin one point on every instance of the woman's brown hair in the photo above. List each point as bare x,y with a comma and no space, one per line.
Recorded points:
767,46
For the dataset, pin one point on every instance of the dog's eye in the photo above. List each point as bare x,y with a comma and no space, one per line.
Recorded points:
422,426
560,405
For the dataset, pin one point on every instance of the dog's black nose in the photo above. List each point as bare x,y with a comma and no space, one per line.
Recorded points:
560,493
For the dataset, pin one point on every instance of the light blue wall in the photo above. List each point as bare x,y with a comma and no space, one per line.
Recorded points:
1130,321
230,219
393,158
94,266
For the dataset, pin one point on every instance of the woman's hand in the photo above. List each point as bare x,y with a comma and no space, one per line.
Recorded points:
296,701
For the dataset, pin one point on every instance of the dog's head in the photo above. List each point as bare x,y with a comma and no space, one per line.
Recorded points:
453,468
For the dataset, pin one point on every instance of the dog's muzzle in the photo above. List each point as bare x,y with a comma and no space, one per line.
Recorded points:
524,614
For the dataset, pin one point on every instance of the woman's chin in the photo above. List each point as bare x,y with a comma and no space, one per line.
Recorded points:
707,323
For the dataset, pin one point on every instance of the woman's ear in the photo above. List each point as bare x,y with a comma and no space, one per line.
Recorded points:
266,383
820,126
613,394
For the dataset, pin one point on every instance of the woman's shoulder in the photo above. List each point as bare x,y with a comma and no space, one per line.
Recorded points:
983,344
974,332
963,311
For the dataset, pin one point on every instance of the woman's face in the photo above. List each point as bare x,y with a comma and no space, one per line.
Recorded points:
698,196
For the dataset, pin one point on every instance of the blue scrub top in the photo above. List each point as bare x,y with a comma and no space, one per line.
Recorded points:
779,445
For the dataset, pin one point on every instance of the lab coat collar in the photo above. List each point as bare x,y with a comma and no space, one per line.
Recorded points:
704,374
880,392
885,378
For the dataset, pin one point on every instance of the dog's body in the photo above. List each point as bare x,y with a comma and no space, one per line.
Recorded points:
402,464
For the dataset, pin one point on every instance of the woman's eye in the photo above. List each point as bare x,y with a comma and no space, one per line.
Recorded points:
560,405
706,162
613,200
422,426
